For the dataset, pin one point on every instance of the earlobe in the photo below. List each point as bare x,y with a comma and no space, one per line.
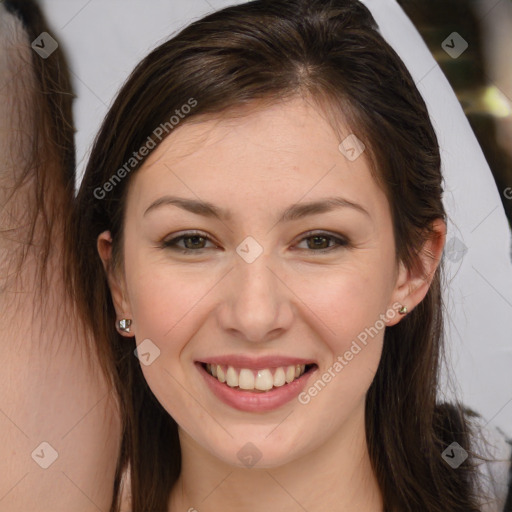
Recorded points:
413,284
401,304
116,285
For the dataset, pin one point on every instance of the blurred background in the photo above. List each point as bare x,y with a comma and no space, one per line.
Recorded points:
481,76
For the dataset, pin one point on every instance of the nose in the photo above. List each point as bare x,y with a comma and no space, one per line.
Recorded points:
257,305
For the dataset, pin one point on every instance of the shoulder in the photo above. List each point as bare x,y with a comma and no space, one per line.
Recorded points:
493,450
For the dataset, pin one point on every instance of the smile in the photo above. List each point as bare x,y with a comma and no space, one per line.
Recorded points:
255,387
256,380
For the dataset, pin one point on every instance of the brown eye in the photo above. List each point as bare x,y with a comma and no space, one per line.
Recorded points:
193,242
321,242
196,242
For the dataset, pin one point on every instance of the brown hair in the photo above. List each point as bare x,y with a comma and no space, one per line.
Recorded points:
332,52
43,155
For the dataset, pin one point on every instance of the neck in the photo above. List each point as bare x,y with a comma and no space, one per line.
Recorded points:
336,476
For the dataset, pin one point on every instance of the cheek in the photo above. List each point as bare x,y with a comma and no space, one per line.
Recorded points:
348,305
165,303
162,295
346,300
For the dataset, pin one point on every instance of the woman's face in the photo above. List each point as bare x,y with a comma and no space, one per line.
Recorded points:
255,291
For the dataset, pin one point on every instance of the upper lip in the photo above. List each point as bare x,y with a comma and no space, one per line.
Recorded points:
255,363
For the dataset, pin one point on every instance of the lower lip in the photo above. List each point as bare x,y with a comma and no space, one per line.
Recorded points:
255,401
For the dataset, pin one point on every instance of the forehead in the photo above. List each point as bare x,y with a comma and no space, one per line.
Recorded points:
288,147
277,127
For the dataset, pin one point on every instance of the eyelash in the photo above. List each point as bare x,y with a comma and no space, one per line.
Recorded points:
172,243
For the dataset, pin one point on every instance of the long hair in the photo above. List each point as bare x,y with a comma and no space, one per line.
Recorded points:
46,179
331,52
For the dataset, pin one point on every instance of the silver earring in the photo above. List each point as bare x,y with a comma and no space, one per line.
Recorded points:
403,311
124,324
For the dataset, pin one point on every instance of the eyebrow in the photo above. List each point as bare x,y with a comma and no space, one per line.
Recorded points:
293,212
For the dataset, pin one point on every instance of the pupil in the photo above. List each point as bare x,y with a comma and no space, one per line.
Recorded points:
316,238
195,238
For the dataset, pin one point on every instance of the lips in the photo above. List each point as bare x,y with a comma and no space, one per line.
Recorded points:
256,385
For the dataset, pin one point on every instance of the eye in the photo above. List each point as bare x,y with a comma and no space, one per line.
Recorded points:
320,241
194,242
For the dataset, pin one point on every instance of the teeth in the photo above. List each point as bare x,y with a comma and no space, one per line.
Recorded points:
264,380
261,380
231,377
279,377
246,379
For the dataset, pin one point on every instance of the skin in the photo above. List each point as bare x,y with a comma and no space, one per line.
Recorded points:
49,393
292,300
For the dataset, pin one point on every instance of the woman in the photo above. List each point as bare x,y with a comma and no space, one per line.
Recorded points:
273,373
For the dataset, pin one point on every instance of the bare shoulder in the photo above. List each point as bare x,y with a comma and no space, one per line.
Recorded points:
59,424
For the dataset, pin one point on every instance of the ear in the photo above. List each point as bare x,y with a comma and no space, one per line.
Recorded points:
116,283
413,284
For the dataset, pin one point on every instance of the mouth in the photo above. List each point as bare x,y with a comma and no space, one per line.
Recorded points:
261,380
256,384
